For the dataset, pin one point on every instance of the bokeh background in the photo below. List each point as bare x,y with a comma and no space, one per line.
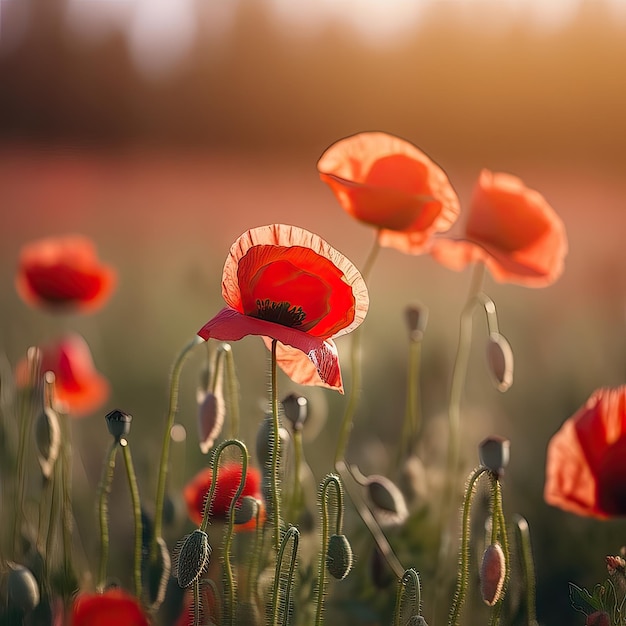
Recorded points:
164,129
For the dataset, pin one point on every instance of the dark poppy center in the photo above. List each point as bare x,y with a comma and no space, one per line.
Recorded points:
611,489
283,313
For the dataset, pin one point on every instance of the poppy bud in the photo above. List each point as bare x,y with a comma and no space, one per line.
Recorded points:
296,410
193,557
492,572
598,618
500,361
211,413
48,440
118,423
389,503
494,453
416,316
339,556
157,573
22,589
246,510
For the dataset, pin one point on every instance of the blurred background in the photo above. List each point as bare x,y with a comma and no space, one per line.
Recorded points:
165,128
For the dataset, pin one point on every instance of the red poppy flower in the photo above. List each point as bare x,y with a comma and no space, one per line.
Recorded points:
78,387
391,184
114,606
586,462
63,273
510,228
288,284
228,478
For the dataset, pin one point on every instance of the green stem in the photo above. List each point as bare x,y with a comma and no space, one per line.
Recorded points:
355,369
105,488
228,570
297,473
498,522
528,568
347,473
275,450
67,516
134,494
165,446
331,479
292,533
463,574
255,558
232,391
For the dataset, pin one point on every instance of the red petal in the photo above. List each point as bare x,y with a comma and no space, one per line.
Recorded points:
308,258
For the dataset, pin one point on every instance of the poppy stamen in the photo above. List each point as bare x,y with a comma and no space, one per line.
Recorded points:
282,313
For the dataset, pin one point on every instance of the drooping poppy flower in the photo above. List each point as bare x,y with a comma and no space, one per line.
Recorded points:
389,183
114,606
511,229
288,284
228,478
63,274
586,461
79,388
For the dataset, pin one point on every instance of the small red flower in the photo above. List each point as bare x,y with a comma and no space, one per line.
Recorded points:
63,273
512,230
228,478
78,387
586,461
389,183
288,284
113,607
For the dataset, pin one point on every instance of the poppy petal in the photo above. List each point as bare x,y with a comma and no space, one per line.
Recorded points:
230,325
63,273
312,276
510,228
389,183
305,369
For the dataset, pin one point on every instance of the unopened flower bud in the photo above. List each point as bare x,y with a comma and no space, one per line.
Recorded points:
22,589
296,410
492,572
389,503
246,510
118,423
416,316
211,413
193,557
494,453
339,556
598,618
500,361
48,440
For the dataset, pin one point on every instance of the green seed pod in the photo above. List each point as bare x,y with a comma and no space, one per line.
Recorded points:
193,557
296,410
339,556
500,361
389,503
48,440
494,453
118,424
246,510
492,572
22,589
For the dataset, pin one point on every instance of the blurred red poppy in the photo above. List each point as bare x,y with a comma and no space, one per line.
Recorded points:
288,284
586,462
63,273
389,183
78,387
228,478
512,230
113,607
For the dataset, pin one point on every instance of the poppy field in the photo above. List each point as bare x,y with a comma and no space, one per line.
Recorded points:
307,456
